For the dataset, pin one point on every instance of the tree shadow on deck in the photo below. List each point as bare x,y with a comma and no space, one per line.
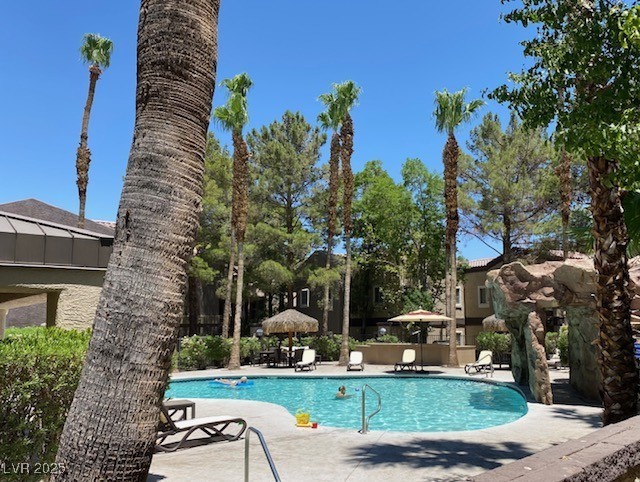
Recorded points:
444,454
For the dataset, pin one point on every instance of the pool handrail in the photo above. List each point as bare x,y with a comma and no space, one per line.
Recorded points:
365,419
267,454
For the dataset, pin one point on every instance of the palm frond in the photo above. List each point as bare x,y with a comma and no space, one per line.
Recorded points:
452,110
234,115
96,50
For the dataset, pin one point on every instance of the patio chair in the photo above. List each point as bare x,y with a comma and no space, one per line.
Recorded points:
355,360
408,361
214,427
308,361
482,364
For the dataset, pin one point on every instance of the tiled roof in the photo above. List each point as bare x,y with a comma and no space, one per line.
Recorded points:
479,263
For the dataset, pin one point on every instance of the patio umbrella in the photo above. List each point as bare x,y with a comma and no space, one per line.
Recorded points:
290,321
421,316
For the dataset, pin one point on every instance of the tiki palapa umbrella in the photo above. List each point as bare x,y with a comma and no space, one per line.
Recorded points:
421,316
290,321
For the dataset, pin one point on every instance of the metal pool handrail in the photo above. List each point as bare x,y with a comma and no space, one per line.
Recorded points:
263,442
365,419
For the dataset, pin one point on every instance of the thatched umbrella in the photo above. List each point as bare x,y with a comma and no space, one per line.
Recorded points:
290,321
491,323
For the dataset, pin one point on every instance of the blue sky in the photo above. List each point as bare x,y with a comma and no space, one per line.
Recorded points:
398,52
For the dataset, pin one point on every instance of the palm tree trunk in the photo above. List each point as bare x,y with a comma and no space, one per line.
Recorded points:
110,430
334,185
619,390
83,155
450,157
226,314
234,359
346,140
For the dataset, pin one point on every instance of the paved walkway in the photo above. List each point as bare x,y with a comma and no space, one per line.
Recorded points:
331,454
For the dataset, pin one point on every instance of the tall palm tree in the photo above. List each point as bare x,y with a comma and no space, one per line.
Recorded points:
330,119
95,51
347,94
111,427
233,116
451,111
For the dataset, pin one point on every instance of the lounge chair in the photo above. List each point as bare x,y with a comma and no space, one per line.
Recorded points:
308,361
214,427
355,360
408,361
483,364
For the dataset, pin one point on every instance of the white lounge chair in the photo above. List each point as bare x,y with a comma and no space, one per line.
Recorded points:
308,361
483,364
214,427
408,360
355,360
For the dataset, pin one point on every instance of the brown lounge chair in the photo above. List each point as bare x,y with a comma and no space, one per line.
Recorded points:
214,427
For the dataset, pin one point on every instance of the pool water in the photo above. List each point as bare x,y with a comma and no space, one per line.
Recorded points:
409,404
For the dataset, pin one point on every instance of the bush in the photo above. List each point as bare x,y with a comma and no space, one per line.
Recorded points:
563,345
40,370
384,339
193,353
328,347
498,343
551,343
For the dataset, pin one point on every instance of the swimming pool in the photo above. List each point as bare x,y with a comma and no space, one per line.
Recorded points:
409,404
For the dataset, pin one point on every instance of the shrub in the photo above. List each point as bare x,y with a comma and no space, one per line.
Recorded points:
384,339
40,370
249,346
218,350
563,345
193,353
328,347
498,343
551,343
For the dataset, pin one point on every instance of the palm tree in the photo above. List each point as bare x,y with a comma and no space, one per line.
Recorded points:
347,94
330,119
111,427
95,51
451,111
233,116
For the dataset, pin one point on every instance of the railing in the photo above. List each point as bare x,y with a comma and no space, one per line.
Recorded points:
267,454
365,419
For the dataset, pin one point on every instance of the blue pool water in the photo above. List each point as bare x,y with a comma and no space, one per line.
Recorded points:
408,404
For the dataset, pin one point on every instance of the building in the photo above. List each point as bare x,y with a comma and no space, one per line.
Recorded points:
51,272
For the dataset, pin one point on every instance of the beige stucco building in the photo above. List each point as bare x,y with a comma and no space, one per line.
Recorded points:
55,269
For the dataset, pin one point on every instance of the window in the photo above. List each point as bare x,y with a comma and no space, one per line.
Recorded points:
304,298
483,297
458,297
377,294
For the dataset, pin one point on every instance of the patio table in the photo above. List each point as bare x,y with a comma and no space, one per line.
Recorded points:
180,405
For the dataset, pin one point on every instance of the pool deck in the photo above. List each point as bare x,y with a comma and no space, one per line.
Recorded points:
332,454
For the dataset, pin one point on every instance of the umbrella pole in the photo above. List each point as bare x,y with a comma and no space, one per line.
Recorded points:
290,346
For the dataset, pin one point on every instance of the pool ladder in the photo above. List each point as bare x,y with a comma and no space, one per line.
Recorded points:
265,449
365,418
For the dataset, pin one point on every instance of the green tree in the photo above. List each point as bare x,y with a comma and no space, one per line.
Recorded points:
285,157
233,116
583,78
347,94
505,182
426,256
95,51
382,238
451,111
141,302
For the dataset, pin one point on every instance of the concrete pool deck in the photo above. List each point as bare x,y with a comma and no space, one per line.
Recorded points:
332,454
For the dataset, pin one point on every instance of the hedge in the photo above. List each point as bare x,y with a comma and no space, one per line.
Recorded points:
40,370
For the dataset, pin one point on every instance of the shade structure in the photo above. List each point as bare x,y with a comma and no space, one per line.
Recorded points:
421,316
289,321
491,323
